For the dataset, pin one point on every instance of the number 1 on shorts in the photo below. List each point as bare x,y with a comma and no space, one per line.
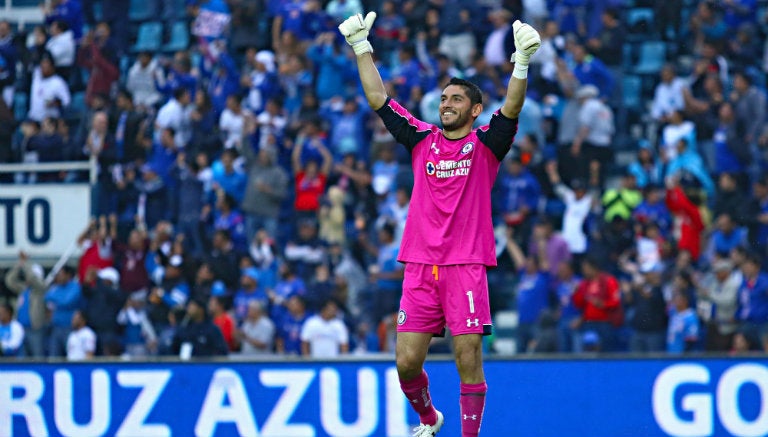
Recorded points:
471,302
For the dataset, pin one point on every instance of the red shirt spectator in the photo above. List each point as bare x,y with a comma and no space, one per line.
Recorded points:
688,225
311,177
97,249
223,321
597,296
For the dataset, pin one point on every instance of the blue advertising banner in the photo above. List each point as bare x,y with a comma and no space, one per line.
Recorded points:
548,398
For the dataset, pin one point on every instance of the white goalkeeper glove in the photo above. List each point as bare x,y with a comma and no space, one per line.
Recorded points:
527,41
355,30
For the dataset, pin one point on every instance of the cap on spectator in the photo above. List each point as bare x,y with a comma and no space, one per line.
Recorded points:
218,288
252,273
109,274
722,265
267,58
587,91
176,261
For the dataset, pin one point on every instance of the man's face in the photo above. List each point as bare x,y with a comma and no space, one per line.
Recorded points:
100,122
5,316
456,110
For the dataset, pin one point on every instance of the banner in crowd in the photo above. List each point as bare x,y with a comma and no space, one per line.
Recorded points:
580,397
42,220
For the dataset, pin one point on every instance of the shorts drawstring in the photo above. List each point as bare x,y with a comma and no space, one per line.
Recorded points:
434,272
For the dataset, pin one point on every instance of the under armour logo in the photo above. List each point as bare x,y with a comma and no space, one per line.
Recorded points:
471,323
472,417
435,149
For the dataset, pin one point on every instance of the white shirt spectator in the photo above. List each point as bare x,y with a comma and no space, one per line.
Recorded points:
81,344
493,51
270,125
598,117
44,91
11,338
175,116
671,134
62,48
325,337
141,83
261,330
576,211
667,98
231,125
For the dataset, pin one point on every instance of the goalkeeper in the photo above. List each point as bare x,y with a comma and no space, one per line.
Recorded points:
448,241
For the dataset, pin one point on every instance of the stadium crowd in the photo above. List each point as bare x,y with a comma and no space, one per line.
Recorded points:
248,201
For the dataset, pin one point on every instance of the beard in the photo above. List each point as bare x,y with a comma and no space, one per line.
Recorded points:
460,120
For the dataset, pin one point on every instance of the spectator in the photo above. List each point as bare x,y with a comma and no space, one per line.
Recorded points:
197,336
386,273
332,66
222,259
141,82
287,285
126,123
325,335
532,291
11,333
250,290
257,333
97,55
726,236
749,104
622,201
653,210
266,190
599,299
228,218
289,340
68,11
732,152
555,247
62,299
204,119
683,330
456,38
310,176
262,83
577,206
594,137
687,219
49,94
9,54
305,251
500,43
139,337
521,192
757,217
348,124
668,95
81,341
645,300
752,312
232,121
270,125
687,162
25,279
175,115
103,301
61,46
730,199
565,283
179,75
332,217
170,291
589,70
608,44
223,321
717,295
229,177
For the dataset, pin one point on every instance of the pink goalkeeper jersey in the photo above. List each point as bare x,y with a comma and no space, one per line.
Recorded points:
449,218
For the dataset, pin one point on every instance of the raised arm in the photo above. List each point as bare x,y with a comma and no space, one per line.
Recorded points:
355,30
527,41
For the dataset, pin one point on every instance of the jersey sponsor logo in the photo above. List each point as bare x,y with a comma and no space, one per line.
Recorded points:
431,167
401,316
467,148
450,168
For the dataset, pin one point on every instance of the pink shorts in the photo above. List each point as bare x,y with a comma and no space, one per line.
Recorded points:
436,297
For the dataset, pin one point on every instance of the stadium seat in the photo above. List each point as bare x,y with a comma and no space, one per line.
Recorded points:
150,37
142,10
179,39
174,9
632,91
653,55
639,21
20,105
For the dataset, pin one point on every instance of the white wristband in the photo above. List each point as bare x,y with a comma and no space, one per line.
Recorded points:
362,47
520,71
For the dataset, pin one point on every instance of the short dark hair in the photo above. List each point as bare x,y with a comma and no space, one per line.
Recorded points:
179,92
8,307
473,91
